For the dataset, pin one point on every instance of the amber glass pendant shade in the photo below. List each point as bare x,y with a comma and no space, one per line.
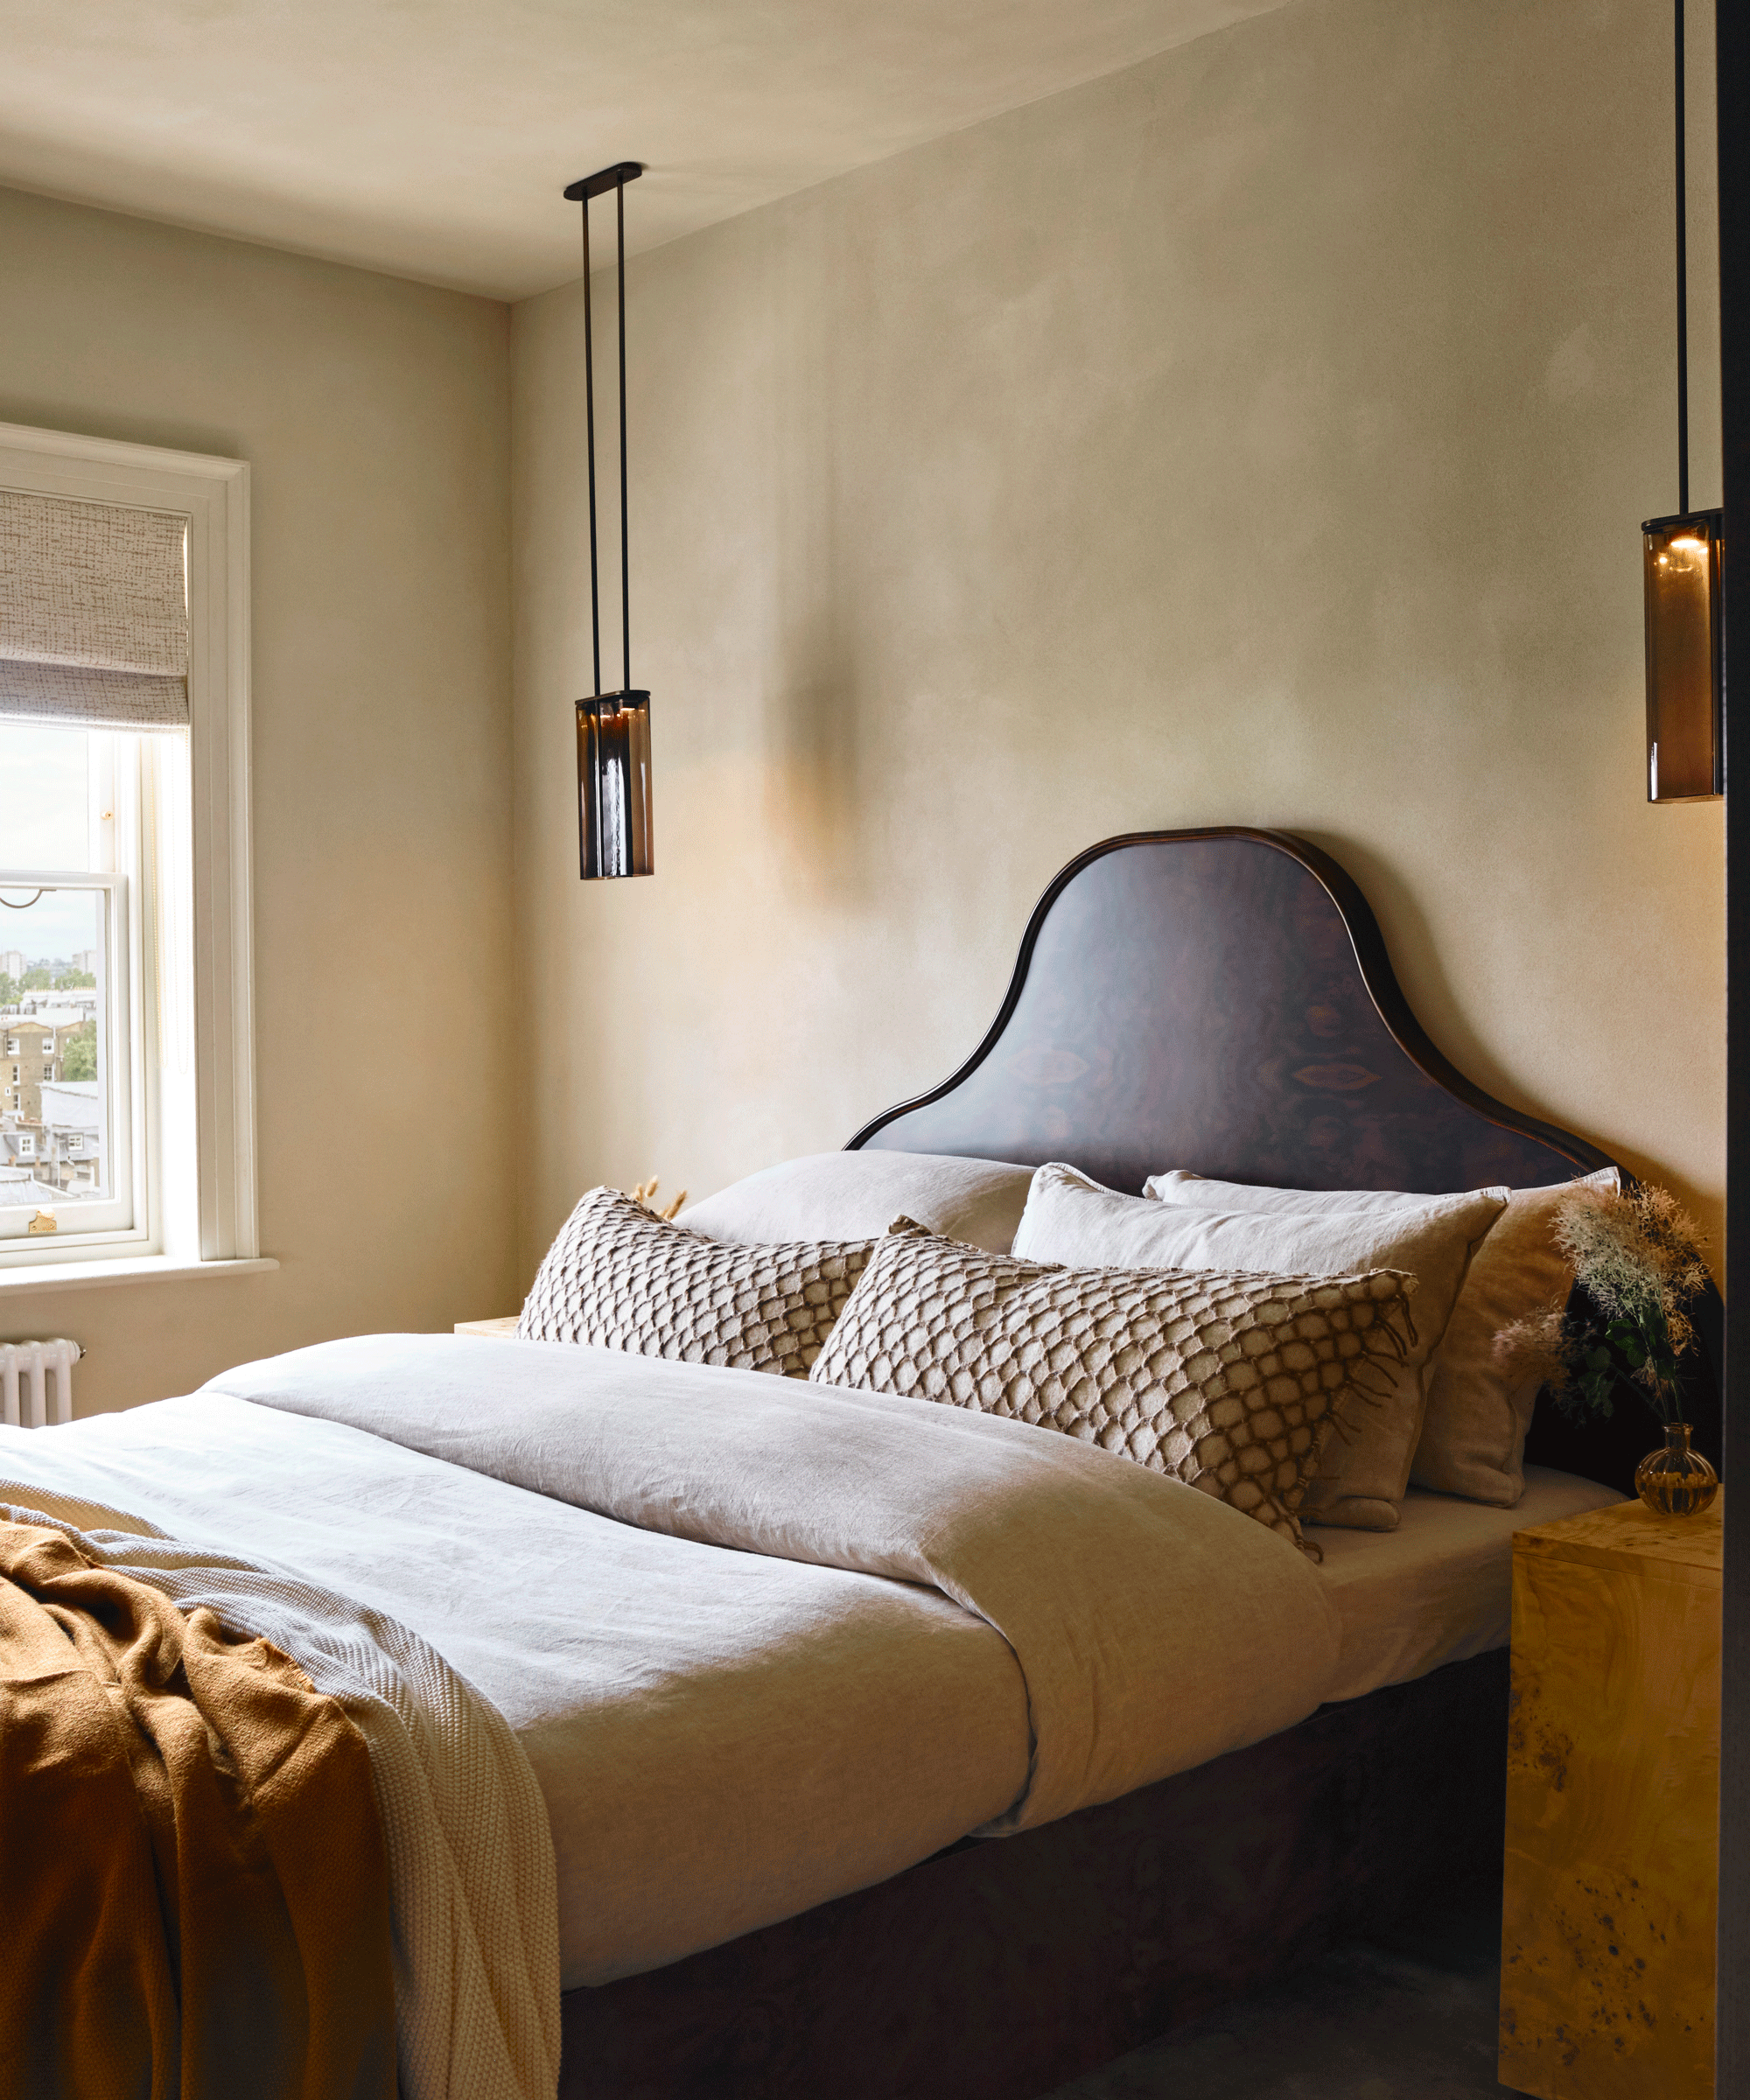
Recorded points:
1685,657
614,785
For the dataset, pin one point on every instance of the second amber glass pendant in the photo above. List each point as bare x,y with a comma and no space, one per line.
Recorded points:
1681,562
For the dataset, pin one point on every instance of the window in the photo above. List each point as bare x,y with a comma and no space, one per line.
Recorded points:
106,753
78,874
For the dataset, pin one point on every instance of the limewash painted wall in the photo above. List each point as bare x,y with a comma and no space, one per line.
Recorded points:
374,417
1258,436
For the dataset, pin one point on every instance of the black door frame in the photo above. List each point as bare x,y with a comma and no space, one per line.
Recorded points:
1732,53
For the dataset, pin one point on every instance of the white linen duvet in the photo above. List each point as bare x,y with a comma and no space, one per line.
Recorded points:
762,1641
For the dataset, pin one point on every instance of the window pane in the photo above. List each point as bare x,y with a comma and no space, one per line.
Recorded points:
54,1088
45,799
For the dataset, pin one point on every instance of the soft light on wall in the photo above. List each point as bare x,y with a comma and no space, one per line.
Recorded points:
1680,562
613,729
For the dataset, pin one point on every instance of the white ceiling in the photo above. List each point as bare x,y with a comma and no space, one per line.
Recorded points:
431,138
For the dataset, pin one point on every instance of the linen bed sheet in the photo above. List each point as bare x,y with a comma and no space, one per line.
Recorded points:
762,1642
1440,1587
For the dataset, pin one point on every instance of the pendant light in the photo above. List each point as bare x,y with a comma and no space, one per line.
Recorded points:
613,729
1681,561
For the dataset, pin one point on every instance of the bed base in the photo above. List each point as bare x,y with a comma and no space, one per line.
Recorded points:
998,1970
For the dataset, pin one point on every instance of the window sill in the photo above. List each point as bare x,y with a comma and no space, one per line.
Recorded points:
141,1269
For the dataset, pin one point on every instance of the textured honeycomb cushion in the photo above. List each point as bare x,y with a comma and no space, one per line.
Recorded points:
622,1279
1365,1471
1231,1383
1473,1440
857,1195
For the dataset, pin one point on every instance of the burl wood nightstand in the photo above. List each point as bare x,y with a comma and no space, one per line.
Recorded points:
506,1326
1612,1807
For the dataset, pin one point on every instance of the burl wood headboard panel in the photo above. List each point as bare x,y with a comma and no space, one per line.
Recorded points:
1223,1001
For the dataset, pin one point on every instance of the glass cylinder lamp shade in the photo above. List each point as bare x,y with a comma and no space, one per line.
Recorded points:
1685,657
614,785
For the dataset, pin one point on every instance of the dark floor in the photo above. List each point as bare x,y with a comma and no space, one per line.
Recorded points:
1414,2020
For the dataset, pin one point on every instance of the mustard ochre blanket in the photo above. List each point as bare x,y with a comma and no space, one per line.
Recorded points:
194,1877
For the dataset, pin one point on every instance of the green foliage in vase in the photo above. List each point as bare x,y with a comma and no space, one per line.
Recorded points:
1637,1263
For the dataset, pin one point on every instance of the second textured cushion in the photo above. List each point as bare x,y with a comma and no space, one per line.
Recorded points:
1231,1383
622,1279
1365,1471
1473,1439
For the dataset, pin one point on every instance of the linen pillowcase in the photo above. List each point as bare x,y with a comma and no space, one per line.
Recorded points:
1366,1469
1231,1383
1473,1439
620,1278
857,1195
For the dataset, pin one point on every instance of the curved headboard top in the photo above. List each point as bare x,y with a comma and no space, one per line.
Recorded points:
1221,1001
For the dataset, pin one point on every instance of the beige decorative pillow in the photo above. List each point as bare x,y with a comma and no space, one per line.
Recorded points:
857,1195
1231,1383
623,1280
1366,1470
1473,1440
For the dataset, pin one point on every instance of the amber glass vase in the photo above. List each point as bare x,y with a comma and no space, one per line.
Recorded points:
1676,1481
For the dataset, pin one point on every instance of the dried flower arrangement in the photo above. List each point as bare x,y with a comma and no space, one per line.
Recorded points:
1637,1259
645,1194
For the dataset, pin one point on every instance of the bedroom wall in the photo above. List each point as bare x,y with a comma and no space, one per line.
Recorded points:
373,414
1258,436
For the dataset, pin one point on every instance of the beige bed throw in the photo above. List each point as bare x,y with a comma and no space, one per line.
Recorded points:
763,1642
1153,1628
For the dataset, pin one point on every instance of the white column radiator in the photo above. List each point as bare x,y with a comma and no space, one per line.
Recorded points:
26,1369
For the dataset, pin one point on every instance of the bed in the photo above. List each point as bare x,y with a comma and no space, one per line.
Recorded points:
1218,999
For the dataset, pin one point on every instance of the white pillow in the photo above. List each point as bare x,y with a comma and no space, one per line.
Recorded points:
1364,1474
1473,1439
856,1196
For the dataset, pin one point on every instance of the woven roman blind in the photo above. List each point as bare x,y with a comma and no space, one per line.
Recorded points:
94,615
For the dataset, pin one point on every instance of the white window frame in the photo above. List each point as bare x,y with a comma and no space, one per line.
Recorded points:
201,1212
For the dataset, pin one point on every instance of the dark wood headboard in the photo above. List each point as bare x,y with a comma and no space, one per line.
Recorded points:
1220,1001
1223,1001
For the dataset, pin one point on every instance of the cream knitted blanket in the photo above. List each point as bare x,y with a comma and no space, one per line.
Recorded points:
472,1879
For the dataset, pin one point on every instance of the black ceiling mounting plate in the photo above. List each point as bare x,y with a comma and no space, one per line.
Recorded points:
604,179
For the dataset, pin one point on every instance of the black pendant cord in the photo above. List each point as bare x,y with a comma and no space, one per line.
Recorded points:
1682,292
590,447
625,551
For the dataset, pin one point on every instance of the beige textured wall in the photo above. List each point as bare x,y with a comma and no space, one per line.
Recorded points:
374,414
1258,436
